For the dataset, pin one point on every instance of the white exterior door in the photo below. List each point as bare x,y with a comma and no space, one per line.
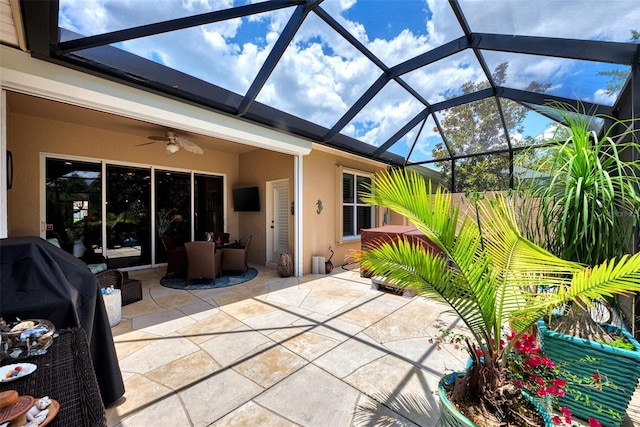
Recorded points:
278,227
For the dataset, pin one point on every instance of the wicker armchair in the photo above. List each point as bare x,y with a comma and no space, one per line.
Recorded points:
235,259
110,278
203,260
176,256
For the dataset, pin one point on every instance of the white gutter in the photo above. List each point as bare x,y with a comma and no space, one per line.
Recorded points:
298,173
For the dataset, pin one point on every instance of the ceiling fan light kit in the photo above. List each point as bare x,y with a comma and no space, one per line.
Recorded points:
174,143
172,148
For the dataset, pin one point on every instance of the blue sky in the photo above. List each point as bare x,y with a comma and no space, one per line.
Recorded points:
320,76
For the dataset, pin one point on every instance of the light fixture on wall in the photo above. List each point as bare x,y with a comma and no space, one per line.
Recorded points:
172,148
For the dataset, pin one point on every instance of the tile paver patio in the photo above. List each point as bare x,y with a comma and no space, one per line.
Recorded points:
274,351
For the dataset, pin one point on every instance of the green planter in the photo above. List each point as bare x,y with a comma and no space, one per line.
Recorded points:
451,417
621,368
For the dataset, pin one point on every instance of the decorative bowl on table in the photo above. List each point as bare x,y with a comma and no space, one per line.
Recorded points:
25,338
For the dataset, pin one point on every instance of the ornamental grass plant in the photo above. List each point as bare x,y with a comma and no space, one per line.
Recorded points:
586,210
587,207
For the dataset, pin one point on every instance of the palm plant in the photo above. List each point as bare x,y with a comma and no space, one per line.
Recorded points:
588,209
486,272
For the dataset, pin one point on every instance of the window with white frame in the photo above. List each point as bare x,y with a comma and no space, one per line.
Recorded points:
356,214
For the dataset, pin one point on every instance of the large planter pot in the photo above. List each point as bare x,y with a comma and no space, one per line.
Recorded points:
620,367
451,417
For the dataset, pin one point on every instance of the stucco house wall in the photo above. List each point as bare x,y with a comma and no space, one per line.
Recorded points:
255,169
28,136
321,181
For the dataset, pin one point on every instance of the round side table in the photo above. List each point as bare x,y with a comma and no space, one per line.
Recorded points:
113,304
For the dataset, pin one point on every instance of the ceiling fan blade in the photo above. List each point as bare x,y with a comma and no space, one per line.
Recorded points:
146,143
159,138
188,145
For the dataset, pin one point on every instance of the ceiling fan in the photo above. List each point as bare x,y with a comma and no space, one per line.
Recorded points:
174,143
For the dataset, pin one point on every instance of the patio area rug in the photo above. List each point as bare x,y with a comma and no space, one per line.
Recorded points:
180,282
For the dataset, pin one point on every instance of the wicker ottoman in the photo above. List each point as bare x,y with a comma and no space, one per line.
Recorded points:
131,291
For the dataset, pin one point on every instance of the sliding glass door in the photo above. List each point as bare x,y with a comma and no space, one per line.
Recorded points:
126,231
128,216
173,209
208,202
73,205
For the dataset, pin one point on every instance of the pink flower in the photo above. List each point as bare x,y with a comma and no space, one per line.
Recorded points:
556,420
534,361
567,414
594,423
559,382
548,362
596,377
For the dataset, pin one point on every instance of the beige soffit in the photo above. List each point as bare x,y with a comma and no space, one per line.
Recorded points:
22,73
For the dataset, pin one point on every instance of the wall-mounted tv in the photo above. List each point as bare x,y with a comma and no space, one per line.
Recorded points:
246,199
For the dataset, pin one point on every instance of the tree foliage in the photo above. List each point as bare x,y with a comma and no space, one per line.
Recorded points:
477,128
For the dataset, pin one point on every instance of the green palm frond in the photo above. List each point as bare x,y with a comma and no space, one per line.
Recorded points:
486,272
406,265
611,277
431,212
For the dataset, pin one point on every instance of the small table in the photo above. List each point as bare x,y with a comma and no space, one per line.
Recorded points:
65,373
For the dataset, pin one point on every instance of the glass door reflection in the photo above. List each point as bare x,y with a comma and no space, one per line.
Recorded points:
128,221
173,210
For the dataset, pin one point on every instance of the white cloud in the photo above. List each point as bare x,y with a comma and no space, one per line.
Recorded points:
590,19
602,97
321,75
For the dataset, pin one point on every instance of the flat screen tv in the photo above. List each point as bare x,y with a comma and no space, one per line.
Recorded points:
246,199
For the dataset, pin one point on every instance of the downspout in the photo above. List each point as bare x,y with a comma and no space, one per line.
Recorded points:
297,217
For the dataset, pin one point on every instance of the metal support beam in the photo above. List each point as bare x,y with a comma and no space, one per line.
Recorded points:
356,107
274,56
415,141
420,117
174,25
586,50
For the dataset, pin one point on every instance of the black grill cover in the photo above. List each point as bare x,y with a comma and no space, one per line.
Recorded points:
40,281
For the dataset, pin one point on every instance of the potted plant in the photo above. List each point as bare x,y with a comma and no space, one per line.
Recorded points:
488,274
586,211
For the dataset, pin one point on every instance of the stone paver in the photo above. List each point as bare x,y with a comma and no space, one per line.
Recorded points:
311,351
